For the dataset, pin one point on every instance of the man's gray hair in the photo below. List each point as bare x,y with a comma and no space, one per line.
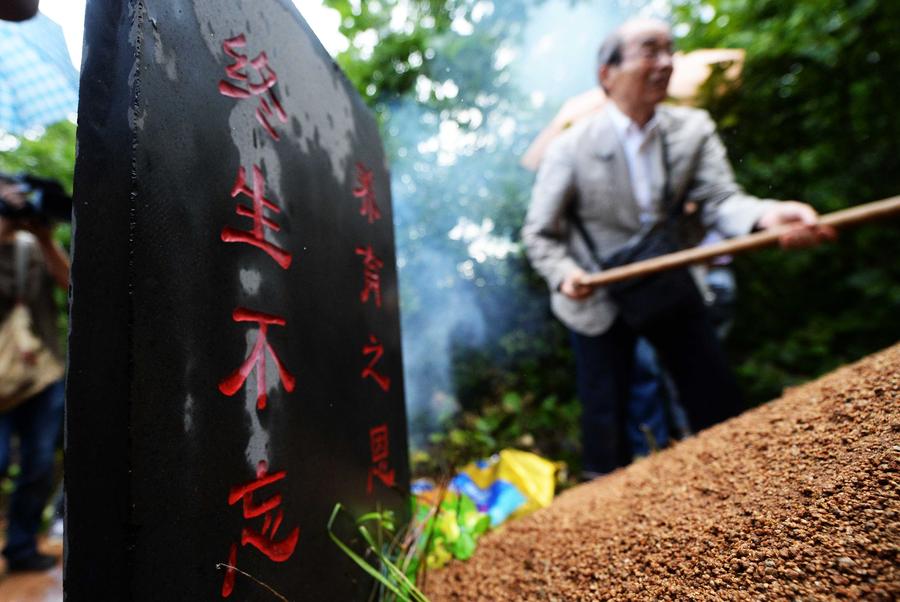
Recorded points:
610,51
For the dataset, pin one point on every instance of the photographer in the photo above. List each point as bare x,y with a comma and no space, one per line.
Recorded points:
31,264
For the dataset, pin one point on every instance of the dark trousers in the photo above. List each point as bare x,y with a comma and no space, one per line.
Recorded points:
648,401
36,422
688,348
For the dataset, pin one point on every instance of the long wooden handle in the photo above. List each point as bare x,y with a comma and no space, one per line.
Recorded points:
838,219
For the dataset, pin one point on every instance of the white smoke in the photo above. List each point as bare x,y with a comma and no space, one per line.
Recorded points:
450,169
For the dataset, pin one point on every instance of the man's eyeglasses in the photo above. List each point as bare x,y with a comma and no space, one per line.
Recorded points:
651,52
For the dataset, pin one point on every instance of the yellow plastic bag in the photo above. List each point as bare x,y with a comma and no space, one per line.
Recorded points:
509,484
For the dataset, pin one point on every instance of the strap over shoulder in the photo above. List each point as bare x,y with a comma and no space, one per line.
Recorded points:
23,248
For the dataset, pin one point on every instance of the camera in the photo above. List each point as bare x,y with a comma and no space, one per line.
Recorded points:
29,197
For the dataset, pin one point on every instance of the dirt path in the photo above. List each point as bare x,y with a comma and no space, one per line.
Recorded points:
796,500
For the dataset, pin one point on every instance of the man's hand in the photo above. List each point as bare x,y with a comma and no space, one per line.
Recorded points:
40,228
573,287
805,230
55,258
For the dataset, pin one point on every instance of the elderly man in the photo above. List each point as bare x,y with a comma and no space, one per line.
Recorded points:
600,185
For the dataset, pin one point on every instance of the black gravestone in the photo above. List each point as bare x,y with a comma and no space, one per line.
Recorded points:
235,363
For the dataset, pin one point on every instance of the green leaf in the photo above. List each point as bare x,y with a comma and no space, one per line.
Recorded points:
401,585
464,547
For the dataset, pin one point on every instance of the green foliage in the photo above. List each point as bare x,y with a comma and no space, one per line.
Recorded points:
546,426
51,154
405,44
812,118
442,528
374,529
448,529
394,43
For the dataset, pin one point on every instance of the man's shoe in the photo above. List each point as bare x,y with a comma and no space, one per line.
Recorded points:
36,563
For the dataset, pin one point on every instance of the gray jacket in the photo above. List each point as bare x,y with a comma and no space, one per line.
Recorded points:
584,170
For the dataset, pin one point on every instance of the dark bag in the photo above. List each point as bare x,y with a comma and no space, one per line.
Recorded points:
645,300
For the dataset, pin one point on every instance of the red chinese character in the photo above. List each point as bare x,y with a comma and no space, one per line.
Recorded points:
366,193
256,236
371,278
263,540
257,359
384,475
377,349
237,72
378,443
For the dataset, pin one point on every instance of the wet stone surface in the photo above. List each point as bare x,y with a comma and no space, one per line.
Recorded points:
798,499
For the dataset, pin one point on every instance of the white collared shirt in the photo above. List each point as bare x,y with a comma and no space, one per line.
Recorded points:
643,154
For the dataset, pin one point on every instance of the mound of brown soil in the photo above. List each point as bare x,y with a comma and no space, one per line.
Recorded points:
798,499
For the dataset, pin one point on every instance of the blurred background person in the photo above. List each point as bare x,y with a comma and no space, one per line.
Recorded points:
31,265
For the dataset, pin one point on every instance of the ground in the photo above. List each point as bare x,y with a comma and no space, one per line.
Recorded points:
798,499
34,587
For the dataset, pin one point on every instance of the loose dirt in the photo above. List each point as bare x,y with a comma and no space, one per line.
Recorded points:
798,499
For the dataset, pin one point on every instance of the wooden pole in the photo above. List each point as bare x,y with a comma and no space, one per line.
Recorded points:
838,219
